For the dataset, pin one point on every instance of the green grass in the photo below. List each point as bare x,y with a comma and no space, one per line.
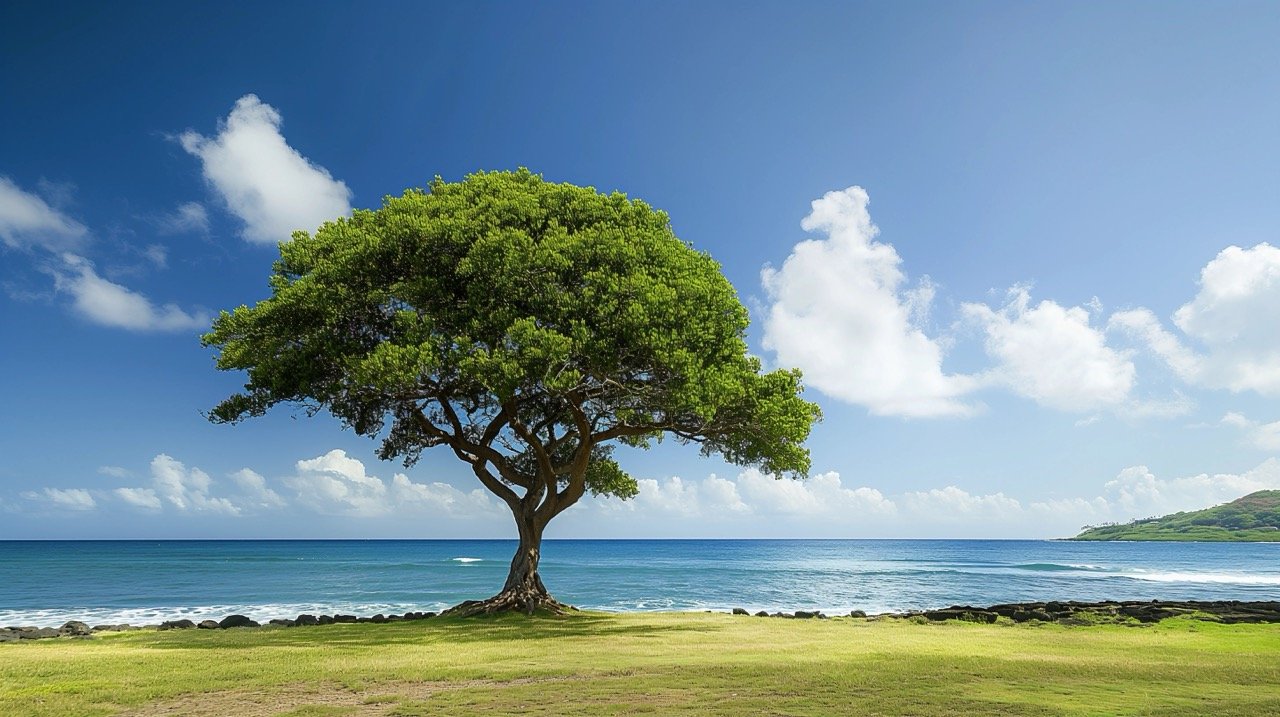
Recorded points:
654,664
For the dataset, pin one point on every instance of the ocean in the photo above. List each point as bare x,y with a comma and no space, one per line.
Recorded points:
146,582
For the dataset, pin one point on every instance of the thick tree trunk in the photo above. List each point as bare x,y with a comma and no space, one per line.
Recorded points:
523,591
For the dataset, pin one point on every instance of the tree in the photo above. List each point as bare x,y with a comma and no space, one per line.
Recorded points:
529,327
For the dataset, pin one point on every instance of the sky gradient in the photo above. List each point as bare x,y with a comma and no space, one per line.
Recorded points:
1025,253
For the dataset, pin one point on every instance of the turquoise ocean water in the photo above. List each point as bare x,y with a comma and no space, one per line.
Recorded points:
141,582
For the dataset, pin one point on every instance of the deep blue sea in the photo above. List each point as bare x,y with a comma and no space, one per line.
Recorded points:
143,582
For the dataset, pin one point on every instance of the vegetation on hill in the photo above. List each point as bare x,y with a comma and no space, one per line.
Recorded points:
1253,518
657,664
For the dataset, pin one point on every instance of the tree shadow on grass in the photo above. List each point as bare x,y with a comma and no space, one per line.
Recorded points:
438,630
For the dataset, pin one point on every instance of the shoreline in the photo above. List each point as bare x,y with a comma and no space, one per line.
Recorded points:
1070,612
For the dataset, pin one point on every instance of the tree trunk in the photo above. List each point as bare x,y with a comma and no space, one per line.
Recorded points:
523,591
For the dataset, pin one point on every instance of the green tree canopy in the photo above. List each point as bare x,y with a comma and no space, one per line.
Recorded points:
525,325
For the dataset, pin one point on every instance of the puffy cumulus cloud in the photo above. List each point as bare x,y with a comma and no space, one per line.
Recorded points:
825,506
1229,338
1234,317
748,504
26,221
442,499
954,504
256,492
1052,354
678,497
109,304
1136,492
77,499
823,494
338,483
187,489
144,498
262,180
1264,436
842,310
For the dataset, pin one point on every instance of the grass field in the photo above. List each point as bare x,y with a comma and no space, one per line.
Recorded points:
695,664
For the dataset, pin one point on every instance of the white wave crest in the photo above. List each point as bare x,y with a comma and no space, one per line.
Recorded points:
1217,578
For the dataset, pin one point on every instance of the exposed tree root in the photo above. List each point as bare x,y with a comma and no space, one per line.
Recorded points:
525,601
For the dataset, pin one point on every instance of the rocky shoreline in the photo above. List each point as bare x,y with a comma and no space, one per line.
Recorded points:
81,630
1065,613
1079,613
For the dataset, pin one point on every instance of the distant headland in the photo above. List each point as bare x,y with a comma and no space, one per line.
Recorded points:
1255,518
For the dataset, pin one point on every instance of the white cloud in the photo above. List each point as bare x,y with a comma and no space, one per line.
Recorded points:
338,483
442,498
144,498
954,504
157,254
822,494
1136,492
1230,324
26,220
1234,317
115,471
272,188
187,217
255,489
186,489
1052,354
843,313
76,499
110,304
823,506
1142,325
1264,436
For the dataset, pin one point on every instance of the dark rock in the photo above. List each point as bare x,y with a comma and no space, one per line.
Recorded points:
379,618
306,620
762,613
968,614
8,636
183,624
740,611
364,619
781,614
38,633
394,618
344,618
1028,615
325,619
857,613
282,622
74,627
428,614
236,621
208,625
805,614
1089,613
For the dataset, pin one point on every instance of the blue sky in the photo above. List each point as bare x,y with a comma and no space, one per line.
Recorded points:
1024,252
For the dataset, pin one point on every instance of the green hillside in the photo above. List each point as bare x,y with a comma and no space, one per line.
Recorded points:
1253,518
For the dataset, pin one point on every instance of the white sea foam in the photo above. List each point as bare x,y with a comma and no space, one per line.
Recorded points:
1217,578
137,616
467,560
